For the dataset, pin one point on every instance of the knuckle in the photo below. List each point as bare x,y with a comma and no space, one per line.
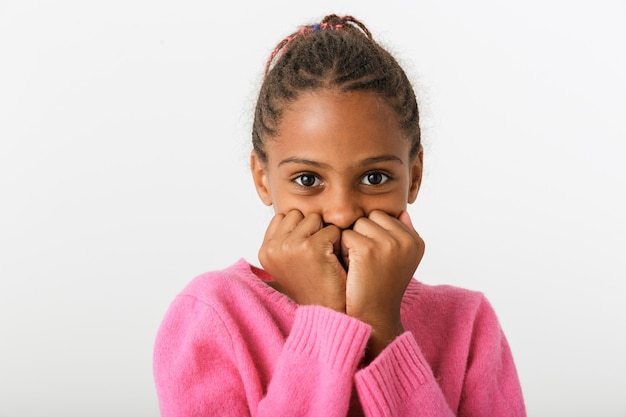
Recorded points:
359,222
371,247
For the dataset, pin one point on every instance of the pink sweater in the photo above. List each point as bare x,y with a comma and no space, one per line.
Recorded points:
230,345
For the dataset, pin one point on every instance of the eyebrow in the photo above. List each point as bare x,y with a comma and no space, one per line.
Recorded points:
365,162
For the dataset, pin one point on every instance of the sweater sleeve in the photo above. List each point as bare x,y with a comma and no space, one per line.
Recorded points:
313,376
198,371
399,382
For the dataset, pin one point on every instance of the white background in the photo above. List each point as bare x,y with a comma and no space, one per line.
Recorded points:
124,130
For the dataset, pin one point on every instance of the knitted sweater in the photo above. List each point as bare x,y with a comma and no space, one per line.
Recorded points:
230,345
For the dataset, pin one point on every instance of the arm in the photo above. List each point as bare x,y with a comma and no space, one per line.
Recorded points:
400,382
201,370
383,254
314,373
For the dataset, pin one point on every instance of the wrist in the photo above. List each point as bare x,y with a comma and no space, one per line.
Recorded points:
381,337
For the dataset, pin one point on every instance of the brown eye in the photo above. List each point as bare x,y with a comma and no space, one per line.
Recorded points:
375,178
307,180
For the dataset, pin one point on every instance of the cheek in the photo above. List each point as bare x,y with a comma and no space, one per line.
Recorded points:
393,205
285,202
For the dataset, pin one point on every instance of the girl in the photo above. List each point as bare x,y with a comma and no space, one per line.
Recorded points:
334,324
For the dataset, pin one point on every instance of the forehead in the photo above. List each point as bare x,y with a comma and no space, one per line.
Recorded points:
334,125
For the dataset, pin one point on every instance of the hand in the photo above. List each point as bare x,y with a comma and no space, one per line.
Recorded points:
301,254
382,254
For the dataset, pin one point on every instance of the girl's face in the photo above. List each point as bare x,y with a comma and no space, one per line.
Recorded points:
338,154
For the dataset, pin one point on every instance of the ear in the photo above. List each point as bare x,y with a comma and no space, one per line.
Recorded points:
416,175
259,175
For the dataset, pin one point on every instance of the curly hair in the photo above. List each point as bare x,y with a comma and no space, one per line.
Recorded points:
338,53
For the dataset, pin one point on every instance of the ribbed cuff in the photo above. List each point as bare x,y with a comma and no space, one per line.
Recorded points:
396,373
329,336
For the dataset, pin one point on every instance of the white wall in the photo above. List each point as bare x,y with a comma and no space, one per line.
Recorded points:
124,129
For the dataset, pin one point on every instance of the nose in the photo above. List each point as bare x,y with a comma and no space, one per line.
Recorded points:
341,208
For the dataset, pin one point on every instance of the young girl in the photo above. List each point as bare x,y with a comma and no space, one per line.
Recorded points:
334,324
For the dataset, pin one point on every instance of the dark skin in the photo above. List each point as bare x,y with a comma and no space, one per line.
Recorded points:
340,177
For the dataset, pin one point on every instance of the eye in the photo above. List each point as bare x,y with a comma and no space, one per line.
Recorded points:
307,180
375,178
